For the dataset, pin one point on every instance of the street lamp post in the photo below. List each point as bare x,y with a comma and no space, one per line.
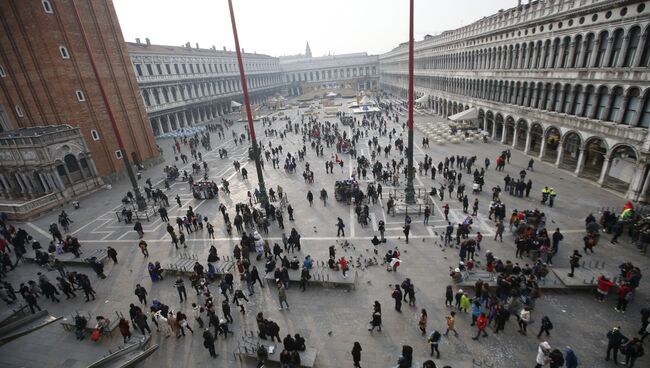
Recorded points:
263,198
410,172
141,202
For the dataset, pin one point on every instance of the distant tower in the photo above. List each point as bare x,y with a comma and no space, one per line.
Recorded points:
308,51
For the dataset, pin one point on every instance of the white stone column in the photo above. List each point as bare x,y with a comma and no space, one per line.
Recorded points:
515,137
58,180
639,52
583,53
529,136
594,52
623,53
503,132
572,52
608,52
542,148
634,189
44,183
560,154
560,58
604,170
581,161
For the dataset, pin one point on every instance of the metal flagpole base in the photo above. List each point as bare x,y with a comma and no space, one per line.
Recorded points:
409,193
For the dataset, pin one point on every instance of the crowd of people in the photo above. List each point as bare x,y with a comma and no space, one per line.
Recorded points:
490,307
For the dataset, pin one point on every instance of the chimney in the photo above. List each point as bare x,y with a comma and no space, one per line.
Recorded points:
214,48
224,48
242,51
197,45
188,45
148,41
137,40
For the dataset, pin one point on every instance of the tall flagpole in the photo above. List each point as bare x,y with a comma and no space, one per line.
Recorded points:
410,172
263,198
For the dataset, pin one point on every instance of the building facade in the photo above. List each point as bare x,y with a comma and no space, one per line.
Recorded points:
182,85
46,77
567,81
42,167
304,73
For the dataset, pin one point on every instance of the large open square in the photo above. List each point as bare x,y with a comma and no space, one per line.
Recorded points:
139,227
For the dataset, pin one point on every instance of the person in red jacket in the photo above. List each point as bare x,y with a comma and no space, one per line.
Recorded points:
624,296
481,325
344,266
604,284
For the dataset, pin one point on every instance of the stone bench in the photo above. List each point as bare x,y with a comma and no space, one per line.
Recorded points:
69,258
320,276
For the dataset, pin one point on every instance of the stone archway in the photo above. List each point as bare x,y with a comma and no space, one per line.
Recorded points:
536,137
498,126
621,168
489,123
521,134
551,144
595,152
510,130
570,151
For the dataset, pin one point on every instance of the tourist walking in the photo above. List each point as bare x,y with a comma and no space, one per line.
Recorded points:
356,354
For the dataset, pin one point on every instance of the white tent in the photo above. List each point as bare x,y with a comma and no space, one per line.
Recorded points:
422,99
235,104
331,94
468,114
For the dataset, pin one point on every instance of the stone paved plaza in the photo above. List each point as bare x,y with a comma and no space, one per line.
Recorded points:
332,319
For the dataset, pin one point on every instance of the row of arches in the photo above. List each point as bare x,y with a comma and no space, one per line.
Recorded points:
199,114
619,47
629,105
64,173
187,91
610,163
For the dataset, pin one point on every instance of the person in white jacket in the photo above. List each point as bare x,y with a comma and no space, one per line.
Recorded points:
162,322
543,350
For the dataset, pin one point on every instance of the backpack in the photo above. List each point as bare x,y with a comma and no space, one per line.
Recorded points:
434,338
557,358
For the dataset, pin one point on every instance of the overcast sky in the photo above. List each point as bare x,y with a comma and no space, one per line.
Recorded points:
281,27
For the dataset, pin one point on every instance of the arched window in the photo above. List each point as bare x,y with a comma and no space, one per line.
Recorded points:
577,107
632,108
603,95
547,54
71,163
567,100
644,120
617,44
556,54
539,96
590,101
576,53
616,104
589,50
632,46
602,49
557,102
47,6
548,103
538,57
564,60
645,59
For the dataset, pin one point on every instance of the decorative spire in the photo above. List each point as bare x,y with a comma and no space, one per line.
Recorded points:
308,51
